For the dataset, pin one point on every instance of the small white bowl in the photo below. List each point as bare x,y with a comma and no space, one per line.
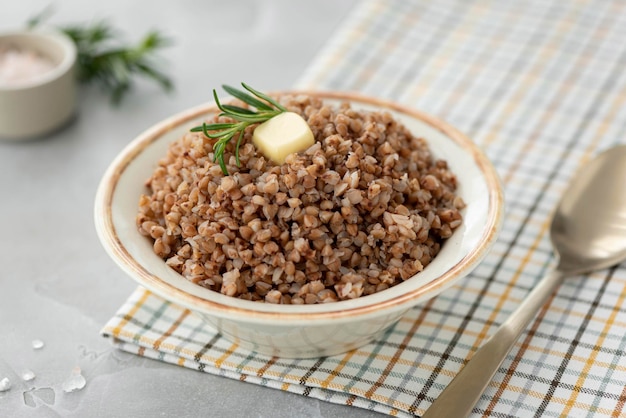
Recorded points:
33,108
300,330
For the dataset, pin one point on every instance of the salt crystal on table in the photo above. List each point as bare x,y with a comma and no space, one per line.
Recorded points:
75,382
38,344
28,375
5,384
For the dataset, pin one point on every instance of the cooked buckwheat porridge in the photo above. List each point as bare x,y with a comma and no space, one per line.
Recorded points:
363,209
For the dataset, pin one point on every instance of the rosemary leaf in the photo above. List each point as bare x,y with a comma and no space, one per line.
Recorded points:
246,98
237,109
223,134
252,118
211,127
239,138
264,97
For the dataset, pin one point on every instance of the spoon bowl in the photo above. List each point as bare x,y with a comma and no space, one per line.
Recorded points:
588,229
588,232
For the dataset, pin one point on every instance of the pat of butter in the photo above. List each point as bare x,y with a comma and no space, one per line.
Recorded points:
282,135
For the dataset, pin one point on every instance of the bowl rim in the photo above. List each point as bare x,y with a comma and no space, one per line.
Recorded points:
113,245
66,64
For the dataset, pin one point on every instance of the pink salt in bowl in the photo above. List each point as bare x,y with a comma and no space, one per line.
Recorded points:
37,83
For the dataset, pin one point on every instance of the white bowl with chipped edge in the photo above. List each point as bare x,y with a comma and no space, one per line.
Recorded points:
300,331
38,106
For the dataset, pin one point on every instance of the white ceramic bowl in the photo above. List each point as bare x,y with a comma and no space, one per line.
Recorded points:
300,330
44,103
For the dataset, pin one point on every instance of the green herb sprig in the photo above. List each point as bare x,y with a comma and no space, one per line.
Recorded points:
266,109
104,59
113,67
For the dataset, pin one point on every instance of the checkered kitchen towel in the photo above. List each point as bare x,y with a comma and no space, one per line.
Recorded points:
541,87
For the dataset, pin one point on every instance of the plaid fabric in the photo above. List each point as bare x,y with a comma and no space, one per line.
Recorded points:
541,87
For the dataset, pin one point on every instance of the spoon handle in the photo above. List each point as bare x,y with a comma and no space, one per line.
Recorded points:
460,396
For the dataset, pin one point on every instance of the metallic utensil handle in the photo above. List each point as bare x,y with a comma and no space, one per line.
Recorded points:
460,396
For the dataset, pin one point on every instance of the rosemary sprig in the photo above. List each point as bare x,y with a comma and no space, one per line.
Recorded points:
104,60
266,108
113,68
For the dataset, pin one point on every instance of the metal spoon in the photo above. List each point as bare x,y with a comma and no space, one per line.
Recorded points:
588,232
